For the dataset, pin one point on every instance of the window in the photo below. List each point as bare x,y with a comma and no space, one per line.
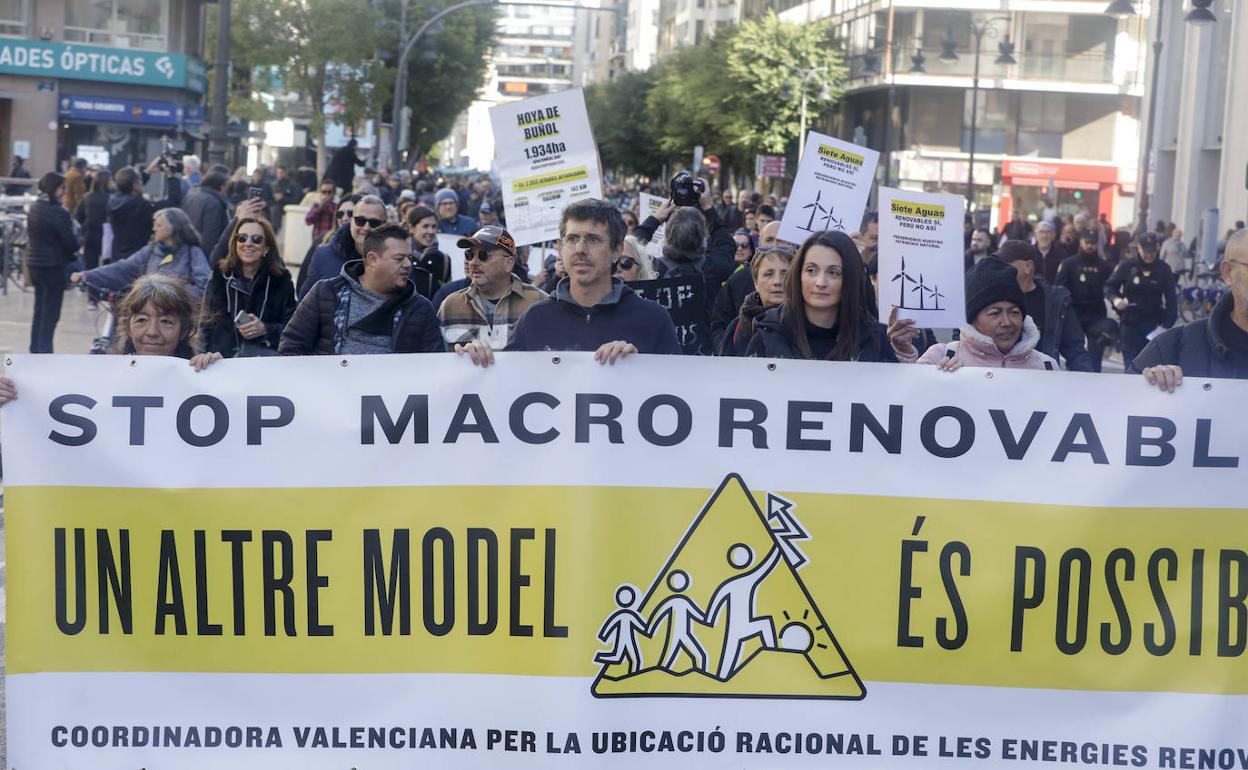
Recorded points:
13,17
120,23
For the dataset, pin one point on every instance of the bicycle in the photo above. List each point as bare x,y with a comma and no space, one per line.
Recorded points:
1198,295
106,322
13,244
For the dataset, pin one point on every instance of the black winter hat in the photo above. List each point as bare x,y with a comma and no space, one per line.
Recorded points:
992,280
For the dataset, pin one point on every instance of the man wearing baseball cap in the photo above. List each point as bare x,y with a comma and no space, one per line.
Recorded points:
1142,290
487,310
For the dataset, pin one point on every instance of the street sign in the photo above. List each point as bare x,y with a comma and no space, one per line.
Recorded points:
769,166
711,164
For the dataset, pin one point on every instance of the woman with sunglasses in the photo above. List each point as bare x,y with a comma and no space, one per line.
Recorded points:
824,315
250,296
634,263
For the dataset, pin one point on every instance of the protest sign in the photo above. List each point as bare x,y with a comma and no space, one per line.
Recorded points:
546,156
448,244
686,300
921,263
830,190
650,205
396,561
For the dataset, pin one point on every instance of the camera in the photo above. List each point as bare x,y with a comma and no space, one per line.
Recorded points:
687,191
171,159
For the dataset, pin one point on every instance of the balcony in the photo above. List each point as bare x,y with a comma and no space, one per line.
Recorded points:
1078,69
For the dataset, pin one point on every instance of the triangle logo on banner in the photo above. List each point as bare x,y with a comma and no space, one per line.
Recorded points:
727,616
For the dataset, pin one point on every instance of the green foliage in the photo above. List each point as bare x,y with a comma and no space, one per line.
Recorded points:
736,94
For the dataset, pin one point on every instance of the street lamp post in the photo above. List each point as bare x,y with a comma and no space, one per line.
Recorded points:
218,131
1005,56
806,76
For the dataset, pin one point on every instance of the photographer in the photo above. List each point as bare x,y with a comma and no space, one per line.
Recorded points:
130,214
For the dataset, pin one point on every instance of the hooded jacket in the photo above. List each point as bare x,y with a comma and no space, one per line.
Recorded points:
131,218
1210,347
975,349
320,323
773,338
736,339
328,260
50,234
560,323
271,298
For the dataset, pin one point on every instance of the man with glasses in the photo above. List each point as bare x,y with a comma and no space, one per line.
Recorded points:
488,309
370,307
1216,346
590,309
346,245
321,215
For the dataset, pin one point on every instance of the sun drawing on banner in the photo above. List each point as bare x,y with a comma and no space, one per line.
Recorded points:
727,616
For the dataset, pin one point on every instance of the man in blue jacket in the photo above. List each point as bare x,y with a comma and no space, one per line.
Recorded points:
346,245
590,309
450,221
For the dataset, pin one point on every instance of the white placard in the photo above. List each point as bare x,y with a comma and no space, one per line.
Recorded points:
448,245
831,188
650,205
921,258
546,157
21,149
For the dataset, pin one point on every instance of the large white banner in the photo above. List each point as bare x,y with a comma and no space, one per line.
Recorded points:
546,156
398,561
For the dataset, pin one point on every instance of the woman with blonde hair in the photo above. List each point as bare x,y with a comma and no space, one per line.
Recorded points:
634,263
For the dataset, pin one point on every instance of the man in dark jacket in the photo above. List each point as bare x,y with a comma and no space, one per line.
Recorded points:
371,307
1216,346
1142,290
208,209
450,221
342,166
589,310
1084,276
52,244
1052,253
1049,306
346,245
131,214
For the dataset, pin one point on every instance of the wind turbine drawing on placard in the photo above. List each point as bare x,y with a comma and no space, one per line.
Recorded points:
903,276
935,295
920,289
815,209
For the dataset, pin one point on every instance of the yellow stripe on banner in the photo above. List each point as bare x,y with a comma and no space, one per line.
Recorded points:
551,179
532,577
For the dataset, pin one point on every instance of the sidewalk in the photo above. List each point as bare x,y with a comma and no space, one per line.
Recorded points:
73,334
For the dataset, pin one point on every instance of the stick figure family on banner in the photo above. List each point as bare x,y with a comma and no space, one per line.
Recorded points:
736,598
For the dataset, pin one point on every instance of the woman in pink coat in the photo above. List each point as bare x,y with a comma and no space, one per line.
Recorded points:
998,331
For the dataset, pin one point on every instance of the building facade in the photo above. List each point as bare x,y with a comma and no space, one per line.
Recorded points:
104,79
1199,160
689,22
1056,127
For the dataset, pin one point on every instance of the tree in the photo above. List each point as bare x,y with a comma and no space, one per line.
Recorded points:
766,61
626,138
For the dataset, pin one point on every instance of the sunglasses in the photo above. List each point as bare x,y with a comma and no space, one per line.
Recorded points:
254,238
343,213
626,263
368,221
742,246
481,255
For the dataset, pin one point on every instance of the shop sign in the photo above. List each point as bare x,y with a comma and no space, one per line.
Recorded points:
49,59
144,113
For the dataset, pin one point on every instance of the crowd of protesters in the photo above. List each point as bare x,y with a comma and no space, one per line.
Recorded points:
207,280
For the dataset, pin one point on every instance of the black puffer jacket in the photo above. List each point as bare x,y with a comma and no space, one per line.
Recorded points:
51,232
1210,347
271,298
736,340
773,339
319,325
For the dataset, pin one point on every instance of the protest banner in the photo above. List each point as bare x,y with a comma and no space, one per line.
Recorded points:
830,189
650,205
546,157
921,264
397,561
687,302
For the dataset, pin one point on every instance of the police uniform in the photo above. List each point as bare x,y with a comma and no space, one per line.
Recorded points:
1084,276
1149,289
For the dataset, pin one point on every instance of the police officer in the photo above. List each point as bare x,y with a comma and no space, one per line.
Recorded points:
1084,276
1142,290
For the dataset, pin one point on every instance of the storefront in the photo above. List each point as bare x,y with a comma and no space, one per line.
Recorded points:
1035,185
56,97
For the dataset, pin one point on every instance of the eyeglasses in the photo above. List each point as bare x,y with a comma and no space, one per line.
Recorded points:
1236,262
254,238
626,263
591,241
368,222
343,213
